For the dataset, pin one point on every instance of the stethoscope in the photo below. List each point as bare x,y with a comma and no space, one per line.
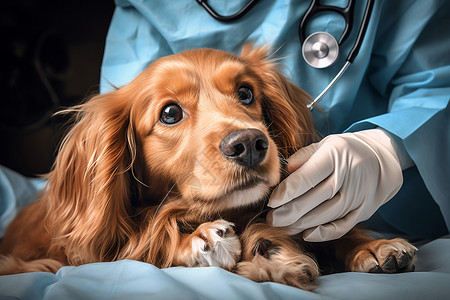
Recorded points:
320,49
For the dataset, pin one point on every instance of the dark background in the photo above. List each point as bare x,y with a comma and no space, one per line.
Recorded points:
50,58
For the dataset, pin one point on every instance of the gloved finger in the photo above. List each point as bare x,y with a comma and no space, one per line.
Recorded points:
333,230
328,211
319,167
297,159
292,213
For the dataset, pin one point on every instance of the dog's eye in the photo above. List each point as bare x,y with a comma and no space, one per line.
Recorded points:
245,95
171,114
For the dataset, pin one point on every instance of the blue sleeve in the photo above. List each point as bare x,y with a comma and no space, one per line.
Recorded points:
413,71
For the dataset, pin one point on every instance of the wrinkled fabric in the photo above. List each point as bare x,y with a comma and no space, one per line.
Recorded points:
400,81
128,279
16,192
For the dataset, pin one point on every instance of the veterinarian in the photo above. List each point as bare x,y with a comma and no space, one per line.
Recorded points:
385,154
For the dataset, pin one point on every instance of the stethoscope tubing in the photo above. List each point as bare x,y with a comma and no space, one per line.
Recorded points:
230,18
362,32
329,86
351,56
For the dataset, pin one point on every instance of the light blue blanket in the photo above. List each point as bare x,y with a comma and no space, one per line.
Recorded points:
137,280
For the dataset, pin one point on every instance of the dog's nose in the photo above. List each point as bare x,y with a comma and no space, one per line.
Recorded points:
247,147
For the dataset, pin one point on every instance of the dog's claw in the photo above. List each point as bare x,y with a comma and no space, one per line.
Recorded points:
376,269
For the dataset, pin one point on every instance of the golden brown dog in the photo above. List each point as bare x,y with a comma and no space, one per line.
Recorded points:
173,169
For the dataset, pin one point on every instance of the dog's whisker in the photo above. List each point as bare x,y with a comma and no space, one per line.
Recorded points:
168,193
134,176
164,199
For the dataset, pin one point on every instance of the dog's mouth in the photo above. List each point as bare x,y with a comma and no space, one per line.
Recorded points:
239,193
245,192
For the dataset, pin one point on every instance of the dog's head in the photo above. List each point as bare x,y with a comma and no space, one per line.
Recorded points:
205,127
215,125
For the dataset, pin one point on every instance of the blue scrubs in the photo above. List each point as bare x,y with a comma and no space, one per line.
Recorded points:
400,80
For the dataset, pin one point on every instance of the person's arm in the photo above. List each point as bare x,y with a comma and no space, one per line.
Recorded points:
417,122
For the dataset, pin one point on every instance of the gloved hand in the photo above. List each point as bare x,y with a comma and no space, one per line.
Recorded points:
335,184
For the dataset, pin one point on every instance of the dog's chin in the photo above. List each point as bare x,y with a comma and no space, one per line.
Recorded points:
245,195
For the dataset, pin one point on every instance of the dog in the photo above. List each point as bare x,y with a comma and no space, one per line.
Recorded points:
173,169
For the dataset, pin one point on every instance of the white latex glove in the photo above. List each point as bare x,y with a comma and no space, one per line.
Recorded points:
335,184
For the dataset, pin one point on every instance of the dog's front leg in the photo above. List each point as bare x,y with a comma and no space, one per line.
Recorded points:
210,244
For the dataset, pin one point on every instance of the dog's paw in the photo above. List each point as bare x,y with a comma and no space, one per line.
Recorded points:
215,244
277,264
384,256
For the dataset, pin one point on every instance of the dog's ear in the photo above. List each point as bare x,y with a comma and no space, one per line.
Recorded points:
88,191
288,119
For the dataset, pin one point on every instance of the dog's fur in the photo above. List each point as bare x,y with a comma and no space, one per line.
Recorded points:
127,186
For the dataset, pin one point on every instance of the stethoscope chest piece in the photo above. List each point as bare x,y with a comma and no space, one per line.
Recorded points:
320,50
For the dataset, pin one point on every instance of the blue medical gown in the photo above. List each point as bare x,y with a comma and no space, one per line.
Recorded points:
400,80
